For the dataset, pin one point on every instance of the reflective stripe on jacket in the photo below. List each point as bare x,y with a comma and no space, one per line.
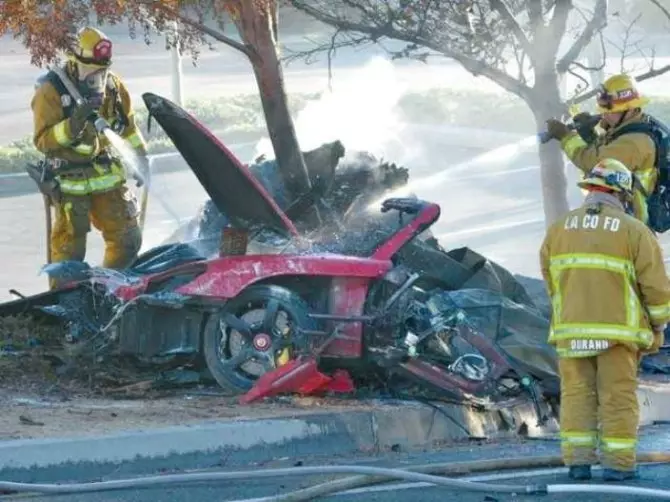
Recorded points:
93,179
606,279
53,137
635,150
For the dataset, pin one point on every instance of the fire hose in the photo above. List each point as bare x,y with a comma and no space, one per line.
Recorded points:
430,473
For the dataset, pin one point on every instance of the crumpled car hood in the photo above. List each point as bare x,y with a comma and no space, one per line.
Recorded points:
229,183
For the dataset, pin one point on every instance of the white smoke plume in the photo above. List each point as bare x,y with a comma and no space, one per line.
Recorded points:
360,112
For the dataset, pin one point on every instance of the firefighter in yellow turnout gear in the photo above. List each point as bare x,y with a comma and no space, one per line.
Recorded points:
90,177
620,104
611,301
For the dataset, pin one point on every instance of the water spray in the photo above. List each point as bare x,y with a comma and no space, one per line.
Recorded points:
501,153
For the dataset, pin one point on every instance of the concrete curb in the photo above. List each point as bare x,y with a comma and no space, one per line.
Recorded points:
654,399
383,426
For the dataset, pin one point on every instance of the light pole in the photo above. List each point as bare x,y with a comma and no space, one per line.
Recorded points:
172,41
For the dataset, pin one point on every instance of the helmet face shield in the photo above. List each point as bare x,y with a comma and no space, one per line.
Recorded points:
604,99
92,82
92,49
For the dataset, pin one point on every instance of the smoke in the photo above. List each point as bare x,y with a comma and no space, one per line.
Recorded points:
360,112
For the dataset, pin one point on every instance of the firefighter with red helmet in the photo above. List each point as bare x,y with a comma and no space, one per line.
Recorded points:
610,297
91,185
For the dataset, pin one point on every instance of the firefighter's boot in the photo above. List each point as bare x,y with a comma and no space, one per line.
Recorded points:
579,472
615,475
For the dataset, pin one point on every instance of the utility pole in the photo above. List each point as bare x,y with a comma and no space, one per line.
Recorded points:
172,40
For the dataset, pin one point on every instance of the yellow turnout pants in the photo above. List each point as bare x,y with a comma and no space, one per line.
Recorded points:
113,213
599,407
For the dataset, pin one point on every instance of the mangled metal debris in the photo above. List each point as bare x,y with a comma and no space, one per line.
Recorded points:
298,306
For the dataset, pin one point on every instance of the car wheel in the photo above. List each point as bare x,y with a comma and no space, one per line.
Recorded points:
254,333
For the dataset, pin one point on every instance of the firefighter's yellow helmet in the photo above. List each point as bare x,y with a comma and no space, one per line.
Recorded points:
618,94
611,174
92,49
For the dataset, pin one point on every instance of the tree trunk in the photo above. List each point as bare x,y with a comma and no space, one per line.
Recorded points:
256,23
280,127
546,103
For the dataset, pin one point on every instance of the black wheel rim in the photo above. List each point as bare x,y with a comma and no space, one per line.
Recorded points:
250,345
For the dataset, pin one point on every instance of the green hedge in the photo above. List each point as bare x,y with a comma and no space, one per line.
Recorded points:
241,116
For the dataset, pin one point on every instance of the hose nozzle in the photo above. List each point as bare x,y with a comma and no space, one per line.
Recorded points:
100,124
543,137
580,123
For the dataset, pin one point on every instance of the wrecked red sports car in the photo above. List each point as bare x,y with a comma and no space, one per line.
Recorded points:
338,307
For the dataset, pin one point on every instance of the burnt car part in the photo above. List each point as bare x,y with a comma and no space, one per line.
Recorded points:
434,344
219,296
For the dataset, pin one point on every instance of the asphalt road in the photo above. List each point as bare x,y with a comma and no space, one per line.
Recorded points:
651,476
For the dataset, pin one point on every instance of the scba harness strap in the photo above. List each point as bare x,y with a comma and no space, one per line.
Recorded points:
658,201
120,120
108,174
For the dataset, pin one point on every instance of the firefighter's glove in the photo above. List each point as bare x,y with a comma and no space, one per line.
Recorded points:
585,124
81,115
557,129
582,118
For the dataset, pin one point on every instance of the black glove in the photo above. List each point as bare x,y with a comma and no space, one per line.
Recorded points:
585,123
82,114
557,129
582,118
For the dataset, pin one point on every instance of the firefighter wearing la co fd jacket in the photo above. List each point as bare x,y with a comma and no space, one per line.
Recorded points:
611,301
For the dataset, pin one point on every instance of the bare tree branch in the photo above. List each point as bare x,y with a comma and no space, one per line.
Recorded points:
507,16
308,56
587,84
387,30
557,25
595,25
584,67
218,36
535,16
663,9
626,38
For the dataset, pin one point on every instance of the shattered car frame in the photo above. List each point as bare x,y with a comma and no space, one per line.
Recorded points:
319,316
